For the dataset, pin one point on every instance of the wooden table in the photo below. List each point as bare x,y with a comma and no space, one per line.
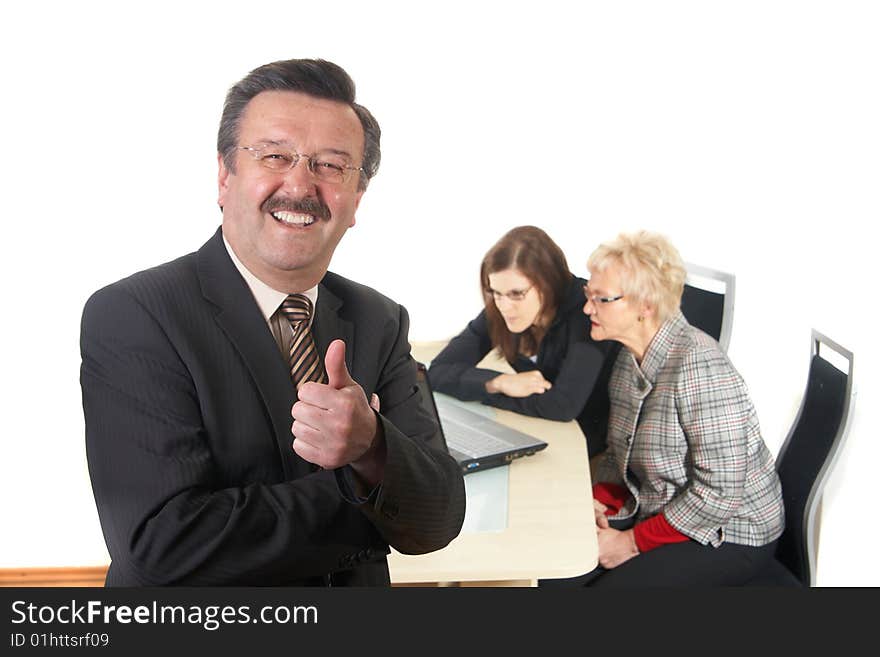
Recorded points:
550,528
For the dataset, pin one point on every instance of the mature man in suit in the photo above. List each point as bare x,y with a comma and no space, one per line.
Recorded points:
223,450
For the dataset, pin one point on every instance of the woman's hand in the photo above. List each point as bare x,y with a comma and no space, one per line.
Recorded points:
522,384
599,510
616,547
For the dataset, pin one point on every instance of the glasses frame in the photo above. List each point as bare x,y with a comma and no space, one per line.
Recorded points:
596,300
520,294
311,163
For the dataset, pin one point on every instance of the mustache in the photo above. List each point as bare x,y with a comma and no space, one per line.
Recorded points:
312,206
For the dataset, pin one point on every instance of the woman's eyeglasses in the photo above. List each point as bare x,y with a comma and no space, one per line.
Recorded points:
595,299
513,295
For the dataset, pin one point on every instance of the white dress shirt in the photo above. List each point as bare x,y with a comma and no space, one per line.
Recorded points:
269,301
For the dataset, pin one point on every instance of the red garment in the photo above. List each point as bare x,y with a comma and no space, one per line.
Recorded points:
611,495
650,533
656,531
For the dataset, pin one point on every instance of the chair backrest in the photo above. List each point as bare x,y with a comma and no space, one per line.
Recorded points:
810,451
707,301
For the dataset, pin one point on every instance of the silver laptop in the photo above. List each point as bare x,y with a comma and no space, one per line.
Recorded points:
475,441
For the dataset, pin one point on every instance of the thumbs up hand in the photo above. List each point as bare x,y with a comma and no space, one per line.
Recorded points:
334,364
334,424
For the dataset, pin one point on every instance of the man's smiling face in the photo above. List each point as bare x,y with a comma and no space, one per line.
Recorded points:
285,225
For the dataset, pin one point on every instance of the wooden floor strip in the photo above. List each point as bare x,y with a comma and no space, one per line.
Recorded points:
74,576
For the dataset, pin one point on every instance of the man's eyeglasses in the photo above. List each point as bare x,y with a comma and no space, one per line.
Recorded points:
328,168
596,299
513,295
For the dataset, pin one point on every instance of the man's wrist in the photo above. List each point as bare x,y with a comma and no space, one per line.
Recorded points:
369,468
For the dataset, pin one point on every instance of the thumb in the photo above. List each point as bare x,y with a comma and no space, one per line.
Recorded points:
334,364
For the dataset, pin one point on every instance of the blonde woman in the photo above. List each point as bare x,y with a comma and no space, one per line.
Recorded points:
686,493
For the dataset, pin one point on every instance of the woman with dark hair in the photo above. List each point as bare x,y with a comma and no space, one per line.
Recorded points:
533,317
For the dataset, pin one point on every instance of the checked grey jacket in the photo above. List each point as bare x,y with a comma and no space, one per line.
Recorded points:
684,439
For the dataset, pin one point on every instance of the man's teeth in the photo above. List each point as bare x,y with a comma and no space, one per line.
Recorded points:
293,219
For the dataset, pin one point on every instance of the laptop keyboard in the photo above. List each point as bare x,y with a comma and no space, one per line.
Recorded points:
471,442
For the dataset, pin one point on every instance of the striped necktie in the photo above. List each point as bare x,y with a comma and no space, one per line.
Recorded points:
305,365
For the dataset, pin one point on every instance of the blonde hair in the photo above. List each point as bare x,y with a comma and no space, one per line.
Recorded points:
651,269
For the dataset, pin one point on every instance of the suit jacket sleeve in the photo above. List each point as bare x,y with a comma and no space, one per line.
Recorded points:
454,371
571,389
419,507
714,411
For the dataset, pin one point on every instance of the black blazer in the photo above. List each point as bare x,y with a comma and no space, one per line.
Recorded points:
576,365
187,404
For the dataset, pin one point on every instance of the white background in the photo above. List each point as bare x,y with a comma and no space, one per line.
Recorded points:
745,131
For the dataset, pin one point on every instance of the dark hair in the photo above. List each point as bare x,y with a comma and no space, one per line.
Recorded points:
315,77
531,251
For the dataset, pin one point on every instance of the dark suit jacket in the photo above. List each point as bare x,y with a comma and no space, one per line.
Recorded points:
576,365
187,403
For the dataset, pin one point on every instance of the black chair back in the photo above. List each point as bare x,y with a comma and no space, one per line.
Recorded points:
808,454
703,309
707,302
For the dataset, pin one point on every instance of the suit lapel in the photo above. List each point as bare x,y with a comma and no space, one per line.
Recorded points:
239,317
329,326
